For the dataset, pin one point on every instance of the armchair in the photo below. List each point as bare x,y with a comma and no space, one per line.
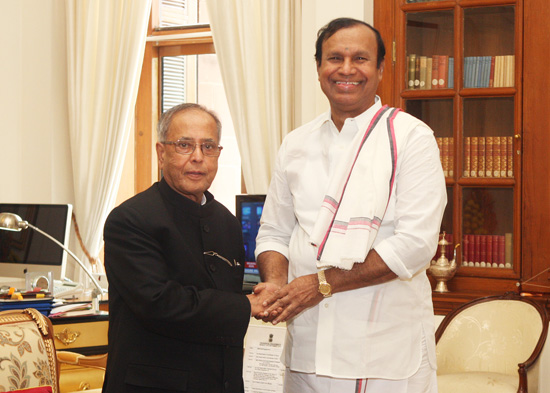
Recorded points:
28,358
491,344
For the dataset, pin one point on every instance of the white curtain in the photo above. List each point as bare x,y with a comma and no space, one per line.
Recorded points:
105,45
254,43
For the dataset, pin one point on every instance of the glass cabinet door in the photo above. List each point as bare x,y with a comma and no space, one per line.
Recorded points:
438,114
430,62
488,129
489,59
487,227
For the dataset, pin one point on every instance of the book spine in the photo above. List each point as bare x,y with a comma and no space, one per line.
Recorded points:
492,72
483,250
503,156
498,62
489,156
512,70
477,249
443,70
466,71
412,62
481,155
467,153
423,65
429,66
501,251
435,72
417,73
473,156
451,73
495,250
496,156
489,251
476,71
465,250
508,247
487,70
509,70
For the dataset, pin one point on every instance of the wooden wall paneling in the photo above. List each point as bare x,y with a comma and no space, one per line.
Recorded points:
384,22
144,124
536,143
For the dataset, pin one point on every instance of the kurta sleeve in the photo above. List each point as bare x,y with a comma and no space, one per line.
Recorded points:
418,205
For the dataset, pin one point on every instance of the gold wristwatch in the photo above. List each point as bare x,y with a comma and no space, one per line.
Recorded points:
324,287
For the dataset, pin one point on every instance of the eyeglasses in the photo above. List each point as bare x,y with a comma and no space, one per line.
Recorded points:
215,254
210,149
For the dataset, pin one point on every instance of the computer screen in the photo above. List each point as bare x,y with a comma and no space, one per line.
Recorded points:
29,250
249,209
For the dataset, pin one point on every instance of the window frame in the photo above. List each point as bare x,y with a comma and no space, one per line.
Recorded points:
189,40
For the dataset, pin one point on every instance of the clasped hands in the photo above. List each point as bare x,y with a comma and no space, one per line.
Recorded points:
274,303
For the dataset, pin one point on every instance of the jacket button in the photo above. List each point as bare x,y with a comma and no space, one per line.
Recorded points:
226,385
212,267
206,228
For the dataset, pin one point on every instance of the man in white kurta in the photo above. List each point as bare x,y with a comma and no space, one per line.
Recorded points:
376,323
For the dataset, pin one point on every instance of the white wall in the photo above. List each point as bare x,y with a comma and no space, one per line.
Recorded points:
35,163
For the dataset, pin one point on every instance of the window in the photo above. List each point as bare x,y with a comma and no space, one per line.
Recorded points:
180,66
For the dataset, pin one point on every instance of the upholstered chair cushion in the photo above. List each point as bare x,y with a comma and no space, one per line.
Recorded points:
477,382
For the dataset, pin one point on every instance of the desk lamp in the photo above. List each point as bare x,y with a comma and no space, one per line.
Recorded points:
12,222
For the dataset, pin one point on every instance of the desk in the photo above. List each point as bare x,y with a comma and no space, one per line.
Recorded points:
86,335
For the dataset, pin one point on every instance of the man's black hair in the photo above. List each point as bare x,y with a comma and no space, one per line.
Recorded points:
342,23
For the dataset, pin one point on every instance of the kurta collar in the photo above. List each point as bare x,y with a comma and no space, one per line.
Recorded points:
362,119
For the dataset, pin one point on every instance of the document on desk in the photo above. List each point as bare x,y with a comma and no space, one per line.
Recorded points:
262,370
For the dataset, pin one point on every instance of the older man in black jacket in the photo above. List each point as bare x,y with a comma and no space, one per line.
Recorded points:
174,258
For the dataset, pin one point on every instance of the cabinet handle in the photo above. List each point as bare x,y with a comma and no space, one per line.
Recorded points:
67,336
84,386
517,136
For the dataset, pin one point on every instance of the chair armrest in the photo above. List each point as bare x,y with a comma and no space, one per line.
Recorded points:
95,361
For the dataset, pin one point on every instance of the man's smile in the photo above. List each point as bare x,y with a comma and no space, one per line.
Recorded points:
347,83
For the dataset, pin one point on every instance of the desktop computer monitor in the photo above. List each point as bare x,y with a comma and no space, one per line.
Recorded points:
249,209
30,251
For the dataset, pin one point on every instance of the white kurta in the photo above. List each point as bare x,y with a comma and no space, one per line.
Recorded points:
376,331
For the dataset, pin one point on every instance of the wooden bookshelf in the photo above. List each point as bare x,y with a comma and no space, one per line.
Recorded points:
486,108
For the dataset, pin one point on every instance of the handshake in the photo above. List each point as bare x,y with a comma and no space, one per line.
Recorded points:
274,303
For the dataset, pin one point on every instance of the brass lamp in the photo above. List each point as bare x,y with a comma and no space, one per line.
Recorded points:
12,222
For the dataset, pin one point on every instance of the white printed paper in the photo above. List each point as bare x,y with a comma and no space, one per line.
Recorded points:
263,371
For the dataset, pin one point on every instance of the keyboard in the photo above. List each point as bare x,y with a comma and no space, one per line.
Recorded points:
65,289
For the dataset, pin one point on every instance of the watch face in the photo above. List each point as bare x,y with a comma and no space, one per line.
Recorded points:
324,288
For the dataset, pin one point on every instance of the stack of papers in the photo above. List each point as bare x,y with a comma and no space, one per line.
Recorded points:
72,310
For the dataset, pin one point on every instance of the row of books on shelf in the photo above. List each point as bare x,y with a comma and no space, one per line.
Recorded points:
490,251
446,149
434,72
487,251
489,71
490,156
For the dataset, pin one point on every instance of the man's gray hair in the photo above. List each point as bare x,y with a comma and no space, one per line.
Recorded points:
166,119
